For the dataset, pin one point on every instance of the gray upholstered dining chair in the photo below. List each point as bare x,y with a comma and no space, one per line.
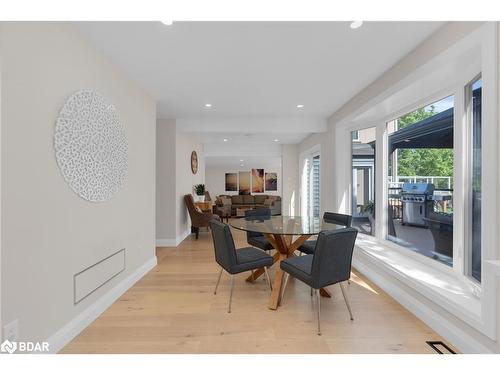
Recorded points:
233,260
330,264
255,238
329,217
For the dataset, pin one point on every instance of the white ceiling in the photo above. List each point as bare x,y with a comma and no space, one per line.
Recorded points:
248,162
254,74
249,69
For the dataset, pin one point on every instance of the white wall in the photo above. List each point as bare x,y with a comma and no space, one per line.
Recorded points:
48,232
166,225
290,169
215,178
185,179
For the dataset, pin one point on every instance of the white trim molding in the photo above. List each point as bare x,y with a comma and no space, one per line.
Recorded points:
172,242
69,331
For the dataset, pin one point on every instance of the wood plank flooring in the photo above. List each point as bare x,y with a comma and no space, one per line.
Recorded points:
173,310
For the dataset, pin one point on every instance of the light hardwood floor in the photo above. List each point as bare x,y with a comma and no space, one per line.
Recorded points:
173,310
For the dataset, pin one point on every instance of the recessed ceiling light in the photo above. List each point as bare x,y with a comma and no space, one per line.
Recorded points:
167,22
225,139
356,24
241,160
242,165
299,106
276,140
208,105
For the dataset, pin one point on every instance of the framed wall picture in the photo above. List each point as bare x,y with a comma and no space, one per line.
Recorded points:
194,162
244,183
271,181
231,181
257,180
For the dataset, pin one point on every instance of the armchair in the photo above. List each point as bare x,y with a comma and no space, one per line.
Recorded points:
198,218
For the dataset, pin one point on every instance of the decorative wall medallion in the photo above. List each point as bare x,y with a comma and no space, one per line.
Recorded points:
91,146
194,162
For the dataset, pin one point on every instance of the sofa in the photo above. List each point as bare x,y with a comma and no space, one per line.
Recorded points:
273,202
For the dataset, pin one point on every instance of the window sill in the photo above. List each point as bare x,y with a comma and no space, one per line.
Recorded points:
449,291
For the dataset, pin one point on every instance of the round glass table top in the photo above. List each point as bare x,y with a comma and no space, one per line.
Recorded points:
285,225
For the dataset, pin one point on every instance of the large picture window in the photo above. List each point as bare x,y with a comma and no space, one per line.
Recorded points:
363,180
420,181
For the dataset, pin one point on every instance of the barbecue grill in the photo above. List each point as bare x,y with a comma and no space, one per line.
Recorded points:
417,203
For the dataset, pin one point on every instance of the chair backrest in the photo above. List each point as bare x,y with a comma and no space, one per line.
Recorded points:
335,218
258,212
188,199
225,252
333,256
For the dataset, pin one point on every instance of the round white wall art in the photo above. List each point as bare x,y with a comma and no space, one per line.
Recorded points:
91,146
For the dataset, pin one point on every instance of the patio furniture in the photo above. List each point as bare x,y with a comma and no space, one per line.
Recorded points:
198,217
441,227
257,239
331,217
280,232
330,264
233,260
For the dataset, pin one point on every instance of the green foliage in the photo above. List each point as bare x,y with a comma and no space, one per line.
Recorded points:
368,208
424,162
199,189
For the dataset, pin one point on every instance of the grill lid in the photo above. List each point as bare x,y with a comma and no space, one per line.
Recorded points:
417,188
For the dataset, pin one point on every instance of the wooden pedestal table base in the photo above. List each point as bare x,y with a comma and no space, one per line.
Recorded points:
285,246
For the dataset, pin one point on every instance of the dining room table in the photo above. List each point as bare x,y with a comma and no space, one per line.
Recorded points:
286,234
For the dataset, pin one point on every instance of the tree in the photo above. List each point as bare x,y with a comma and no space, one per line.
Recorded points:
424,161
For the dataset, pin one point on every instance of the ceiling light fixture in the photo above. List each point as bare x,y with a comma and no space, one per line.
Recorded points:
208,105
300,106
276,140
167,22
356,24
241,160
225,139
242,165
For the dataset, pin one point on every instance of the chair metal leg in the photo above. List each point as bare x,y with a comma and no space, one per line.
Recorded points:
284,287
311,292
231,294
268,279
318,298
346,300
218,280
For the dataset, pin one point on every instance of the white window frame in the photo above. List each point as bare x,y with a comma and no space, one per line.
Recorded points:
308,156
485,321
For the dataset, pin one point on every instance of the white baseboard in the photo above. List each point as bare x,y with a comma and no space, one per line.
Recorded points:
64,335
451,332
172,242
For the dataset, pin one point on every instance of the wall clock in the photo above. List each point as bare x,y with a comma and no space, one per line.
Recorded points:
194,162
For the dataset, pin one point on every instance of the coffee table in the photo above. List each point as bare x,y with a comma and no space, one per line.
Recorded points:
240,211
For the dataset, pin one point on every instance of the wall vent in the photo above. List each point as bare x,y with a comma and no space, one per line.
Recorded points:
95,276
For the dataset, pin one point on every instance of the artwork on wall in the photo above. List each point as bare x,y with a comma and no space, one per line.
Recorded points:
194,162
91,146
257,180
271,181
244,183
231,182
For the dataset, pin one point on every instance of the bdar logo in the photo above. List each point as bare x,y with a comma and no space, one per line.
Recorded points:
8,347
